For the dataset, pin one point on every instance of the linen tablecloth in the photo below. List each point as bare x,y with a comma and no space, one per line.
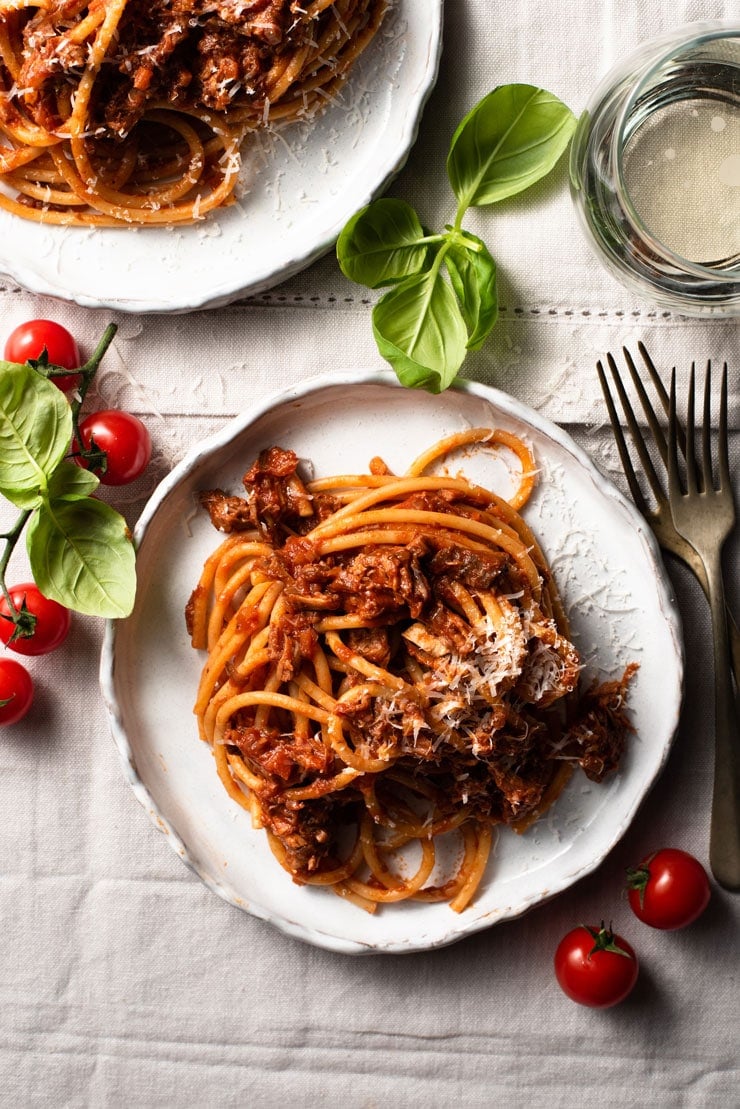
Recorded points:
124,981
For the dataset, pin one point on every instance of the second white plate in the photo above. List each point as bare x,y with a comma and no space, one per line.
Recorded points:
300,185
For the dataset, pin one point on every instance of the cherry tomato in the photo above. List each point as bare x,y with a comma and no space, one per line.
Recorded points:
125,441
595,967
47,624
29,339
16,691
669,889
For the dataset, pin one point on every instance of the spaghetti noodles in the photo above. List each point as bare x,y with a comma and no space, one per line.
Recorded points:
388,662
135,111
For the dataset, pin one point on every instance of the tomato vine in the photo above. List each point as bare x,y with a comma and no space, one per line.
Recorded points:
79,547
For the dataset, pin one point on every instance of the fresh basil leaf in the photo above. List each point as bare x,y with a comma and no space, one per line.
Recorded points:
379,245
23,498
510,139
419,329
35,430
71,482
473,277
81,555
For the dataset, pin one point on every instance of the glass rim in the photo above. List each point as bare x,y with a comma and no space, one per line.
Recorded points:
678,45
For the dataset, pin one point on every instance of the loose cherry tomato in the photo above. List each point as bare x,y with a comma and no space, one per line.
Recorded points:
16,691
595,967
669,889
29,339
125,441
43,624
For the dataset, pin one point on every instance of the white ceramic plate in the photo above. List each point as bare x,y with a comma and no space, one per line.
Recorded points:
606,563
299,187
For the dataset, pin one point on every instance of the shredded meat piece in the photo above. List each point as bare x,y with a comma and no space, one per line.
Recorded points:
596,739
450,628
286,757
469,567
521,785
292,639
227,513
504,731
372,643
276,496
499,790
382,581
308,831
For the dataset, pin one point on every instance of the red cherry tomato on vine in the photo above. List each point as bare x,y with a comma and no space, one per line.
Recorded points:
29,339
47,621
125,440
595,967
16,691
669,889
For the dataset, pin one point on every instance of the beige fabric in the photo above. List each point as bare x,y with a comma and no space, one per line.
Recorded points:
124,982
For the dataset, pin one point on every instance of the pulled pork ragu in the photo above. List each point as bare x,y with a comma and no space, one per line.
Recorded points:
460,677
184,53
135,111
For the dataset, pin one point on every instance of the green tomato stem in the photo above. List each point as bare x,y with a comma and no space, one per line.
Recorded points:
11,538
88,372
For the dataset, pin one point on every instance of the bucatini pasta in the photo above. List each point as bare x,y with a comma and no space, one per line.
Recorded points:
137,111
389,663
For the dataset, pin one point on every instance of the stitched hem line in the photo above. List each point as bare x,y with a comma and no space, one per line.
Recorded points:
275,299
284,299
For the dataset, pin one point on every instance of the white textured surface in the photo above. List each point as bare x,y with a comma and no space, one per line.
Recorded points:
124,981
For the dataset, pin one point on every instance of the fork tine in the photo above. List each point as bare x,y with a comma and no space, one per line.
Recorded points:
634,428
654,376
660,389
664,398
691,482
674,482
706,431
723,445
652,419
623,450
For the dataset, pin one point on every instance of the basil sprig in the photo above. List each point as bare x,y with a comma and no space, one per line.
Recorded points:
442,298
79,548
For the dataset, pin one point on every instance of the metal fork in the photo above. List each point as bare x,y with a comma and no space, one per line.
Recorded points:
704,514
659,517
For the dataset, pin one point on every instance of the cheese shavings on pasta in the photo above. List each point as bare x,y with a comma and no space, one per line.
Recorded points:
135,111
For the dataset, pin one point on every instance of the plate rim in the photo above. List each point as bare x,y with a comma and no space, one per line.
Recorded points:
33,281
236,426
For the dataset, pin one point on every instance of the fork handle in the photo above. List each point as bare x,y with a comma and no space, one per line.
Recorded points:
734,633
724,840
683,550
